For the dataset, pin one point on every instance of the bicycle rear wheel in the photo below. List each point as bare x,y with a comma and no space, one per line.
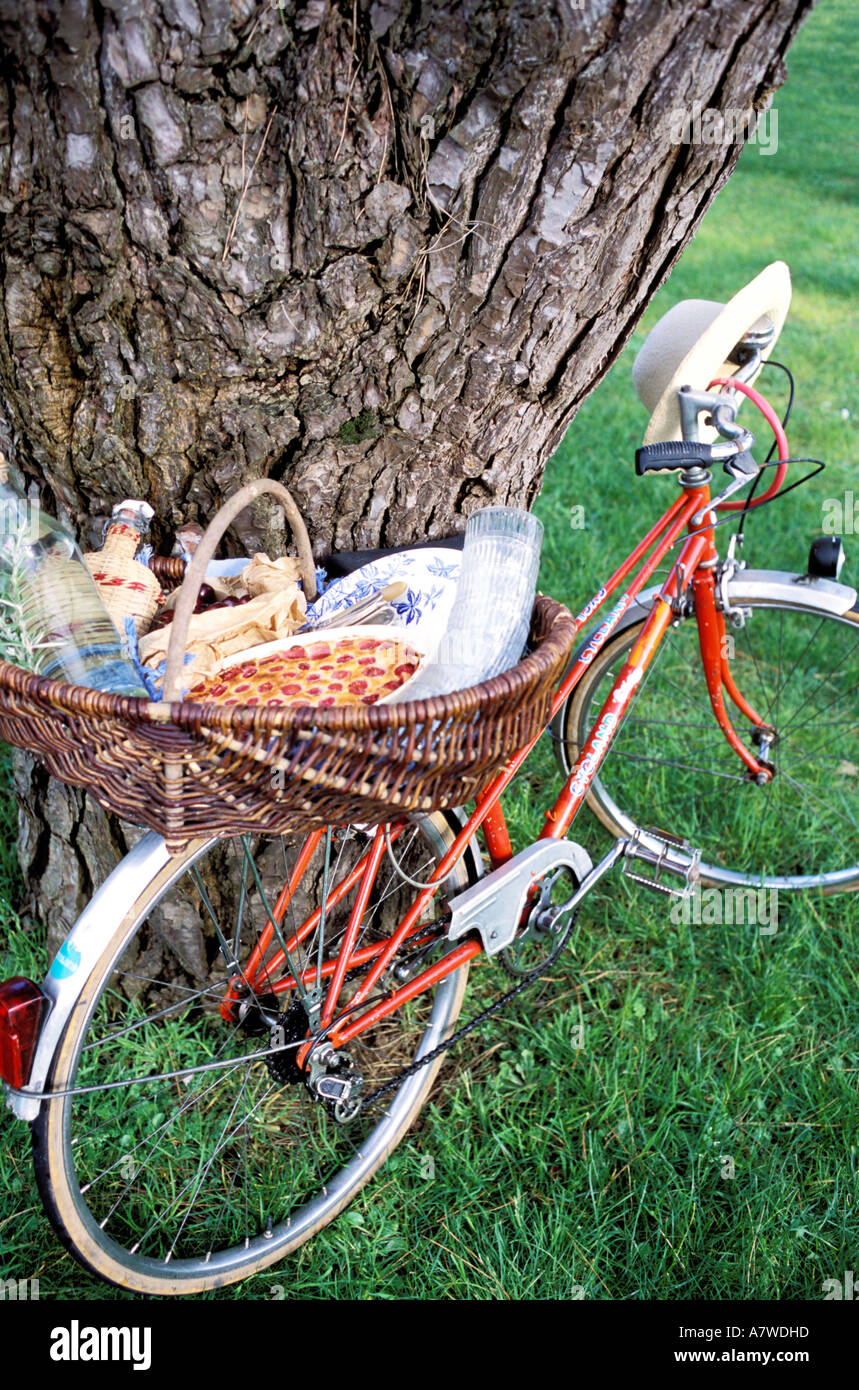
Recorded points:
670,767
169,1183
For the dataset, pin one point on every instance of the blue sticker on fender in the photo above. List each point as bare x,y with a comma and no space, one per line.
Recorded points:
66,962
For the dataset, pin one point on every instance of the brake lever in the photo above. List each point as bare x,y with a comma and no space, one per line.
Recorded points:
741,463
743,470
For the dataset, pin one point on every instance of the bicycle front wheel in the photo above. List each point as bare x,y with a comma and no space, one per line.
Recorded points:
189,1154
670,767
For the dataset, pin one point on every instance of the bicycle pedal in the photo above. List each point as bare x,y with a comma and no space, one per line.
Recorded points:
665,854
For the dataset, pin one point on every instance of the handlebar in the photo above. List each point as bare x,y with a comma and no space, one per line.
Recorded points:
763,405
733,449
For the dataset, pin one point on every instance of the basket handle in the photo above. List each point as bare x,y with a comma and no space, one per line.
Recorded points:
196,571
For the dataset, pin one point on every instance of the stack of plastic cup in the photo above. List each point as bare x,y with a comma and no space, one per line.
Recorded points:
491,614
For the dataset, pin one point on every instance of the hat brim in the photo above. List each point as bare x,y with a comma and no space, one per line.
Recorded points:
767,296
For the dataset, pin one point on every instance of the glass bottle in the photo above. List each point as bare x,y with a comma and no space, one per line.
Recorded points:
52,603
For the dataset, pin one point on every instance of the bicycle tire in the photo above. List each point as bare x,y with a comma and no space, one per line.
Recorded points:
626,802
71,1203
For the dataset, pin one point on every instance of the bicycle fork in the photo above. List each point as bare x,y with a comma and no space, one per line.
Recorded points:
693,571
714,645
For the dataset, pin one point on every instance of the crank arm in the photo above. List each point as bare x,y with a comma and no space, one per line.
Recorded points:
494,905
599,871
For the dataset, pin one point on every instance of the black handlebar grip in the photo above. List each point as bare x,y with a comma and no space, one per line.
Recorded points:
671,455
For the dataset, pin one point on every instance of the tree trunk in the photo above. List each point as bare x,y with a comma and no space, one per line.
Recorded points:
380,251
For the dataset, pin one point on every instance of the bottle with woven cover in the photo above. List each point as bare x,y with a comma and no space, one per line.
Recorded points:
64,623
127,586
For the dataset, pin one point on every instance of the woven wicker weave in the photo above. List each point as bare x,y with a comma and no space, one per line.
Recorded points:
188,770
127,588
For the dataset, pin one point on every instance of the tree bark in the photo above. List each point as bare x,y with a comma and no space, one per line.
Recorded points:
380,251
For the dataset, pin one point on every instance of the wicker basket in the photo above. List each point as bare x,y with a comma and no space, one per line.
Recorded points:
188,770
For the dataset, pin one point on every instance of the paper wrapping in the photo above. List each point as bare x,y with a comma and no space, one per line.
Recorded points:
276,609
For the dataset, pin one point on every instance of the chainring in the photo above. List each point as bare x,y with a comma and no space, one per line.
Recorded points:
541,932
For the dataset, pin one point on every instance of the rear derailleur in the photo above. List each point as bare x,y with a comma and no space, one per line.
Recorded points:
333,1079
329,1075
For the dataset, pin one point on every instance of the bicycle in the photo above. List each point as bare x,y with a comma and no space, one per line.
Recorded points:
193,1124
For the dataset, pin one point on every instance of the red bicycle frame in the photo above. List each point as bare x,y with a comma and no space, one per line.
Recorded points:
692,572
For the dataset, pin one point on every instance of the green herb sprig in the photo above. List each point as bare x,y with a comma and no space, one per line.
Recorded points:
23,634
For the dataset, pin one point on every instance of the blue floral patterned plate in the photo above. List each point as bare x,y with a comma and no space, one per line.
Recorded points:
430,576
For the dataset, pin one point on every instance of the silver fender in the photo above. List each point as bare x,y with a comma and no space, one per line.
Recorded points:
745,584
90,935
78,955
790,588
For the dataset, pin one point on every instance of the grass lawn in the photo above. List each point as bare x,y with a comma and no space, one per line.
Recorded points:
702,1142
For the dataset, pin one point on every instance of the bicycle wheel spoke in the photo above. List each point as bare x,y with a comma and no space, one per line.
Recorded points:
194,1183
762,817
204,895
683,767
827,807
842,695
135,1105
151,1018
320,930
240,910
188,1104
799,660
185,1128
271,917
765,697
796,667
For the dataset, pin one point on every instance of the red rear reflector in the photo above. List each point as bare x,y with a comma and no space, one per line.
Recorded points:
20,1012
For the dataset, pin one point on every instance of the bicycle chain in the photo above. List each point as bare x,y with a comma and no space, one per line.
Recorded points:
495,1007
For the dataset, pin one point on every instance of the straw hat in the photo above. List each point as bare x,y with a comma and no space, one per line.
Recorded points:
693,342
